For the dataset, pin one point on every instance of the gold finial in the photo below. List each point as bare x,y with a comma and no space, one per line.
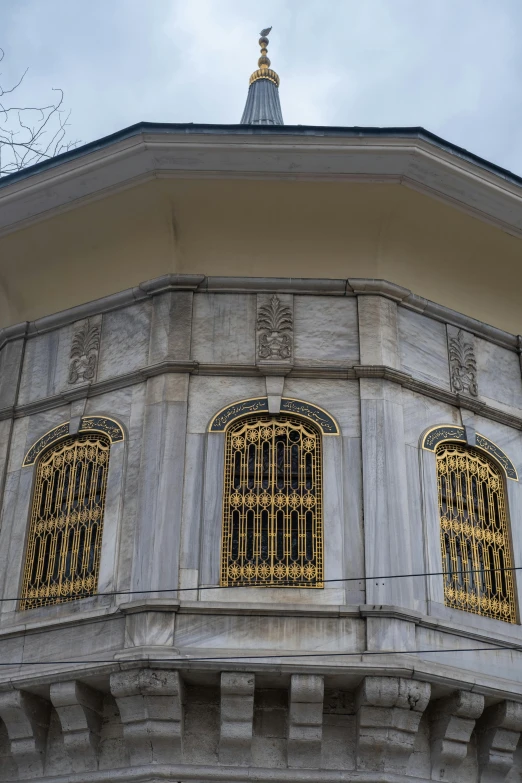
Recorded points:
264,71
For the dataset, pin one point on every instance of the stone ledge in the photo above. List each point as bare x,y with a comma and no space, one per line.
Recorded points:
172,773
335,372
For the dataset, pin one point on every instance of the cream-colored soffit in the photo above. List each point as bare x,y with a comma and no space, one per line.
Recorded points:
415,162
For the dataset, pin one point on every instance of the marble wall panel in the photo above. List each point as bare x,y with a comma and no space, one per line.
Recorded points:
156,547
418,537
210,541
326,330
423,348
124,340
339,398
171,326
223,328
431,530
353,526
378,331
333,512
15,519
18,445
5,436
277,633
390,633
330,595
75,641
112,519
421,413
208,394
40,423
116,404
192,501
465,664
41,357
498,376
11,652
389,537
133,448
10,367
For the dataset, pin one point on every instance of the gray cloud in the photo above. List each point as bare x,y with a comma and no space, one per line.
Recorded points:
451,66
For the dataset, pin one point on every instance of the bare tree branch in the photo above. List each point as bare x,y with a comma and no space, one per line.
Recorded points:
30,134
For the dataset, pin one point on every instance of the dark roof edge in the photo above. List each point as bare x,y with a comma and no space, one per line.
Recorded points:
271,130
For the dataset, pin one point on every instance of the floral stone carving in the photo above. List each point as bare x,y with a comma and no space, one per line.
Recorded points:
84,353
275,326
463,365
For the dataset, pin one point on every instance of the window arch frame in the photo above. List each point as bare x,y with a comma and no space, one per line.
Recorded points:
207,498
67,555
292,534
487,450
22,481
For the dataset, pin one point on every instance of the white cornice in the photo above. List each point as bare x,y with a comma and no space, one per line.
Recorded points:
413,162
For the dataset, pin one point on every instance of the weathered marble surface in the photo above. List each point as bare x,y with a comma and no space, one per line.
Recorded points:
498,376
209,394
423,348
378,331
223,328
391,541
171,326
10,367
125,340
43,355
279,633
339,398
326,330
156,556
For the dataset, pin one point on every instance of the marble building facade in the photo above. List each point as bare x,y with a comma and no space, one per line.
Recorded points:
162,675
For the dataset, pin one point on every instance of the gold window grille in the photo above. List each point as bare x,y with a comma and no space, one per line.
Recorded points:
474,534
65,534
272,515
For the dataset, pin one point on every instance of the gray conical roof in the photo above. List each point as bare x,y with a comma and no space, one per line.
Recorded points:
262,104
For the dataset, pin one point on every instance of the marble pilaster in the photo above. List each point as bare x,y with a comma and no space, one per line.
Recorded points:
160,485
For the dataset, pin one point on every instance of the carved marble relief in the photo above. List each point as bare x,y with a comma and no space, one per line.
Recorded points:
275,325
84,352
463,364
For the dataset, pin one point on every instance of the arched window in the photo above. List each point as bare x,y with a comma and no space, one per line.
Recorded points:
63,550
474,533
272,515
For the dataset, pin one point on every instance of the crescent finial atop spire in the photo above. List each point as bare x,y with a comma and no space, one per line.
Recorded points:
262,105
264,71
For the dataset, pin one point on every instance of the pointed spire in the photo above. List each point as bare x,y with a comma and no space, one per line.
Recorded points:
262,104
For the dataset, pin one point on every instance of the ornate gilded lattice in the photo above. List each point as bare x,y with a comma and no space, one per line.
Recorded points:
474,533
63,551
272,516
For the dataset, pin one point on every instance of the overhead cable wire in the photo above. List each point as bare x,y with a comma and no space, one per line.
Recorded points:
271,656
324,581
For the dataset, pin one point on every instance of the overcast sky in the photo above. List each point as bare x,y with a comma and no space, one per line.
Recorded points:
451,66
